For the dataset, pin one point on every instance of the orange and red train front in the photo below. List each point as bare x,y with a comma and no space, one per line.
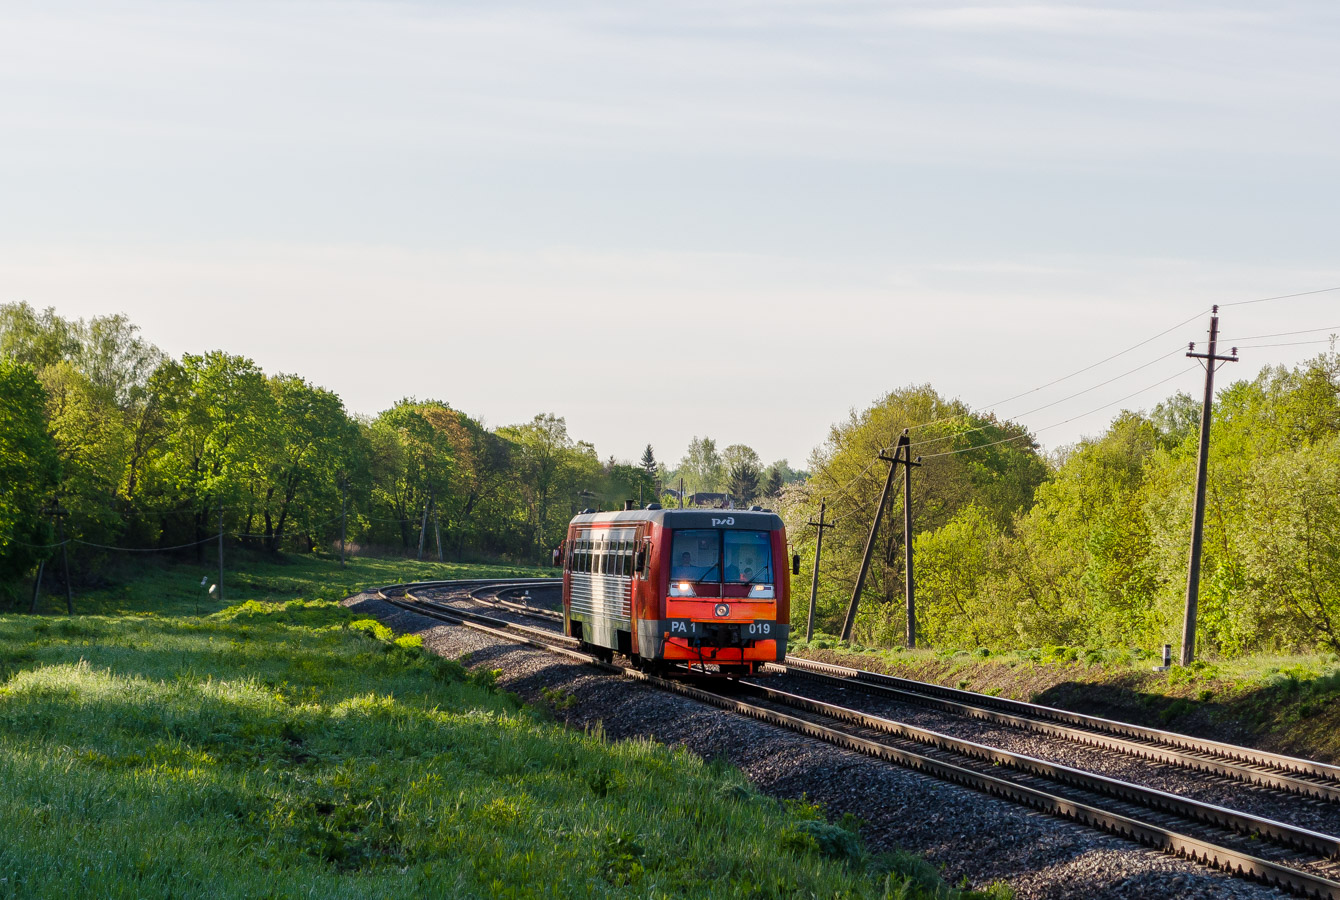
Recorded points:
718,589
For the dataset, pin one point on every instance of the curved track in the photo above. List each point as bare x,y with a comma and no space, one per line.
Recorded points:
1287,856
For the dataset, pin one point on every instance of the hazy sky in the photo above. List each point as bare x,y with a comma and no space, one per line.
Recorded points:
739,219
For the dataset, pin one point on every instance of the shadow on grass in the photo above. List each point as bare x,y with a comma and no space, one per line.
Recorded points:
1293,712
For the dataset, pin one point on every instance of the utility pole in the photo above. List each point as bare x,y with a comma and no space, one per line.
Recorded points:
814,580
681,493
908,465
37,584
220,551
1202,468
847,624
64,559
423,526
437,533
344,505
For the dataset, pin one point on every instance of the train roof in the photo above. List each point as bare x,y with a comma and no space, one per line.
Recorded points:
755,520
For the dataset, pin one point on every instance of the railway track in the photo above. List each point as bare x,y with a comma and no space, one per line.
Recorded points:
1298,860
1286,773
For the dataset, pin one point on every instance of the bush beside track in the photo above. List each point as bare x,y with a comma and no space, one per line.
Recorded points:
292,749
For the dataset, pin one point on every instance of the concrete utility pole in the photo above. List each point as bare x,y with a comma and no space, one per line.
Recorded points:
908,465
437,533
1202,468
681,493
814,580
847,624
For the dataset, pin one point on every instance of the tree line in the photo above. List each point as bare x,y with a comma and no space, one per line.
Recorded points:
135,449
736,471
1089,547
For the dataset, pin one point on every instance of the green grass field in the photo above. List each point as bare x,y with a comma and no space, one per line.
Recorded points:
151,585
285,748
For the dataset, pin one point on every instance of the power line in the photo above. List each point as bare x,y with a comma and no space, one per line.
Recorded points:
1286,344
1026,434
1178,349
1250,337
1072,374
1281,297
212,537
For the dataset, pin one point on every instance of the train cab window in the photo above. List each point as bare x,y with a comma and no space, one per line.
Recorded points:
748,557
695,555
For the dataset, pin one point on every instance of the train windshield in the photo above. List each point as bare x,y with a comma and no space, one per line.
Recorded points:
740,557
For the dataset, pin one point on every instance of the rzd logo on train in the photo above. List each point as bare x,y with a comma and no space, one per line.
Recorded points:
729,520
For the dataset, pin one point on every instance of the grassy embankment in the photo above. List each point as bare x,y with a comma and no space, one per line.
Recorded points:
284,747
1288,704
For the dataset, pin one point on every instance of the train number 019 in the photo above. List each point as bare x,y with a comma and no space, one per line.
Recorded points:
760,628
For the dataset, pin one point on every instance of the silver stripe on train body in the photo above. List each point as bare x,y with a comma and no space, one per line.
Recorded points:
602,596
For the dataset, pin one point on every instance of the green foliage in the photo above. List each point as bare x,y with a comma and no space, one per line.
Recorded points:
28,469
553,470
999,480
742,484
702,467
1094,556
158,452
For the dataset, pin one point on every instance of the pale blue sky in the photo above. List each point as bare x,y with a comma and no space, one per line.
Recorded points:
805,204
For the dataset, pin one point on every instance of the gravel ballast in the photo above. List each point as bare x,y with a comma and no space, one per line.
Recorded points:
967,833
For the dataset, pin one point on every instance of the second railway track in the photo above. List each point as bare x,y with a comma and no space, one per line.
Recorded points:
1296,859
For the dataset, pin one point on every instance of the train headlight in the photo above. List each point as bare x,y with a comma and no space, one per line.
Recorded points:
761,592
682,589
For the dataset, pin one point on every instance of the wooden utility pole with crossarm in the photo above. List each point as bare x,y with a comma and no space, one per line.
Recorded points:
1202,468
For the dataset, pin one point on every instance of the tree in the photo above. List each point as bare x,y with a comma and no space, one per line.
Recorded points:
701,465
93,441
774,485
740,454
114,358
1294,556
38,339
314,440
742,484
219,414
552,469
649,464
999,475
28,471
413,463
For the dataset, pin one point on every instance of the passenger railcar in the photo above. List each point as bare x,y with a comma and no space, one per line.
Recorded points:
709,589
